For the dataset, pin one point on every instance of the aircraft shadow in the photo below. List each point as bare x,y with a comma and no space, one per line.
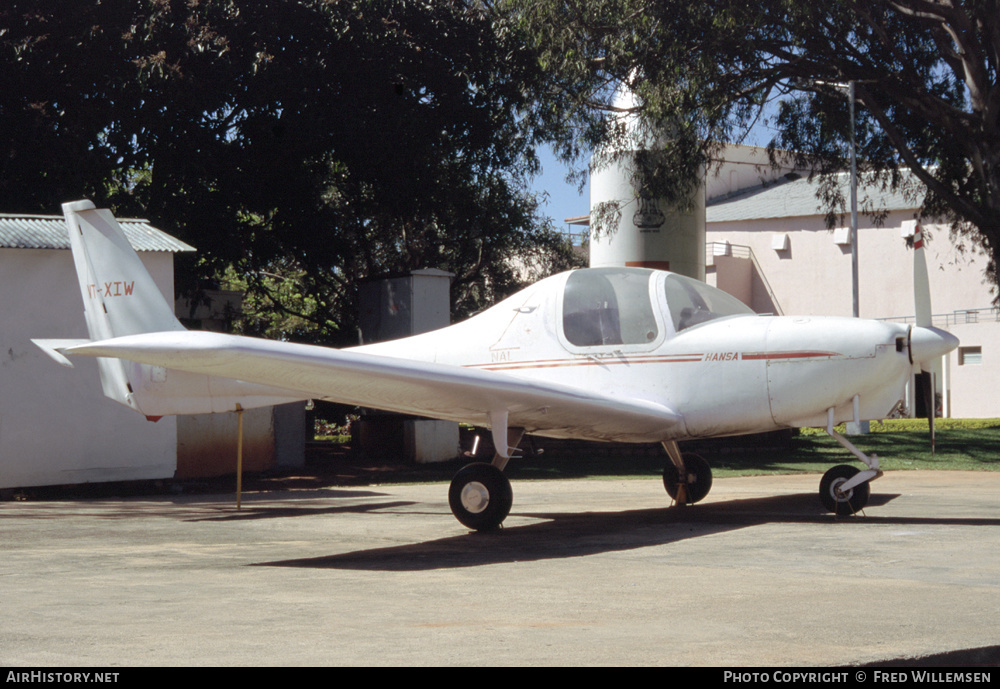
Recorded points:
578,535
271,512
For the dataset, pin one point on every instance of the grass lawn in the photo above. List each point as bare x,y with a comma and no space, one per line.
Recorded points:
962,445
958,449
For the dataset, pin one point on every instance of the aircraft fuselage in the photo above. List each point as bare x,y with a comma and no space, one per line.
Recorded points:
731,375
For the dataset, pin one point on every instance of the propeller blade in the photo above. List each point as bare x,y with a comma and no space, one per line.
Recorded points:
930,404
927,343
921,283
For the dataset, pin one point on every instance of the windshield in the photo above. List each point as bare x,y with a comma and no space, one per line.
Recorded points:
692,302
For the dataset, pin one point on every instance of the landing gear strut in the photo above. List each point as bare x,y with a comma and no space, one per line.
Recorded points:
480,495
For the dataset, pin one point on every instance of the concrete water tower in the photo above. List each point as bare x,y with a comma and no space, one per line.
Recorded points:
649,233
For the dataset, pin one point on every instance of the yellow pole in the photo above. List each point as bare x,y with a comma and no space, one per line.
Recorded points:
239,455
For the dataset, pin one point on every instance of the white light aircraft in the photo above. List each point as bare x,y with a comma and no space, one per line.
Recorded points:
607,354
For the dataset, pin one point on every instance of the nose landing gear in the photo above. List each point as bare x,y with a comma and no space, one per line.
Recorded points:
844,489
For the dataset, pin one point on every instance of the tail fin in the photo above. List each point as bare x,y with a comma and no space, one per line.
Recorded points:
120,299
119,295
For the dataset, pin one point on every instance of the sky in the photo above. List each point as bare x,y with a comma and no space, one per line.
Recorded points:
564,201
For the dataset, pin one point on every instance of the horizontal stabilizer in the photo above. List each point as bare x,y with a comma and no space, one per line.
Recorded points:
53,348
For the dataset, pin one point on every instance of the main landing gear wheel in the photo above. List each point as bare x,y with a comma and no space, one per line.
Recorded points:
480,496
843,502
699,479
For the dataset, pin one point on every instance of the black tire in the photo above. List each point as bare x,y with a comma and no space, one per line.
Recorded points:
699,479
847,503
480,496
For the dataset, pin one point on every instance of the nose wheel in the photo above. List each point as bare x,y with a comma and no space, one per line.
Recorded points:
840,500
480,496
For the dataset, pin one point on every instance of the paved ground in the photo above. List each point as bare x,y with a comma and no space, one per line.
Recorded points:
585,572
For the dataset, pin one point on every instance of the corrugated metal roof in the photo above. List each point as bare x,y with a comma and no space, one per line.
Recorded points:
794,198
49,232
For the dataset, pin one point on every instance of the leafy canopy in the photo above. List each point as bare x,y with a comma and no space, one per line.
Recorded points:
704,73
310,143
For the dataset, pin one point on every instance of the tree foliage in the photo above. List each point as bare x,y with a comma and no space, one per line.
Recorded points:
704,73
310,142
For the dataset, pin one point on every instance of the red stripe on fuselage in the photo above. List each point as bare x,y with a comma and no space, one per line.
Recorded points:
788,355
649,359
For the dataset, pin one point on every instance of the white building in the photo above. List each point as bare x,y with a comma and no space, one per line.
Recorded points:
56,426
768,244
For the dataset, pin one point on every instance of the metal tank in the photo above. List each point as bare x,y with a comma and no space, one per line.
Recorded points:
649,233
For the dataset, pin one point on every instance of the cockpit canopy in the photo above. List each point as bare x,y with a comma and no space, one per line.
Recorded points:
692,302
618,306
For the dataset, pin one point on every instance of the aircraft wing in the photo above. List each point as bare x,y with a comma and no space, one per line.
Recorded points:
394,384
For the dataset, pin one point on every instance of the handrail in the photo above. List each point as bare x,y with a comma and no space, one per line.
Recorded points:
744,252
958,317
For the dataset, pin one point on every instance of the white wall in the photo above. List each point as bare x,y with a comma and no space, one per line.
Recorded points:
813,277
56,426
973,387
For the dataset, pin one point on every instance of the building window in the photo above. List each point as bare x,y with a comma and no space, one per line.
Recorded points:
969,356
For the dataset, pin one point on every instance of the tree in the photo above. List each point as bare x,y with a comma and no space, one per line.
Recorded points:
316,143
703,73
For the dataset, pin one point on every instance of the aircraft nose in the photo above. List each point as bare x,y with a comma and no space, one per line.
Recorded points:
927,343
